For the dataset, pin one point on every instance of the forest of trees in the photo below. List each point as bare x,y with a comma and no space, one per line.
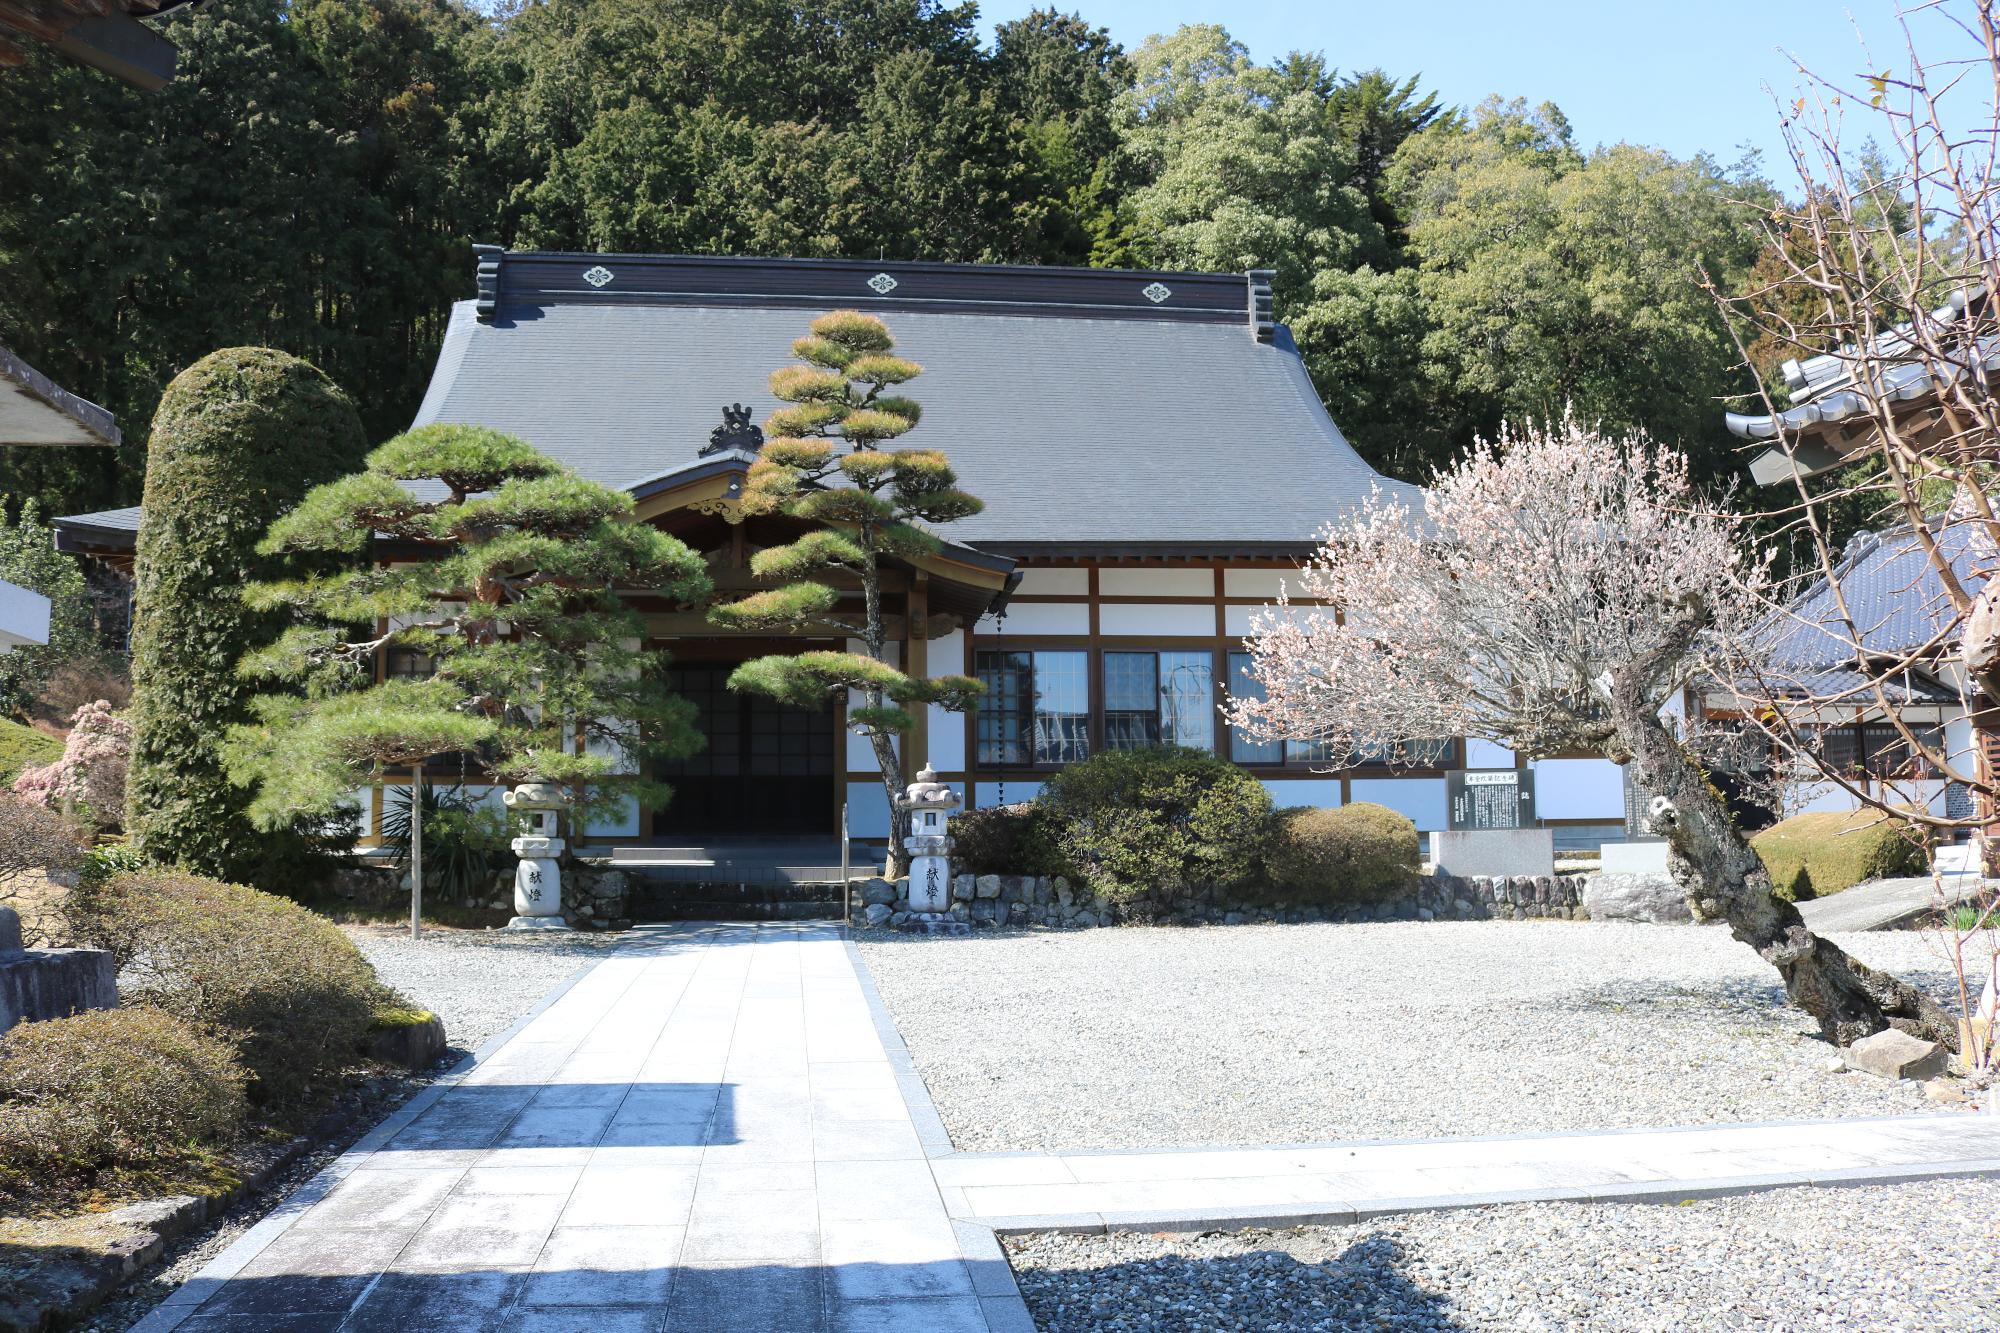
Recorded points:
315,176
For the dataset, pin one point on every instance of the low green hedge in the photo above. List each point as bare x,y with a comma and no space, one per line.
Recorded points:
1133,824
1823,852
1352,854
285,984
1005,840
110,1092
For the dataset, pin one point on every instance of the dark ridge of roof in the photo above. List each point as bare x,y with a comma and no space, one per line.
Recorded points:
510,280
1081,426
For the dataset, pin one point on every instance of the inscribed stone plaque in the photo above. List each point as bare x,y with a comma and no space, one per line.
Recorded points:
1490,798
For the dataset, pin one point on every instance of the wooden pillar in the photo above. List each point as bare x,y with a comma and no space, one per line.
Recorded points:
916,611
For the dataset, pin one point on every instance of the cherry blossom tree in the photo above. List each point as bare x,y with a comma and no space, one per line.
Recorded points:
1558,592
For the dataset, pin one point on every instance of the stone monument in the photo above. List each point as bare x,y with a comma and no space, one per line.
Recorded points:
537,879
39,984
930,803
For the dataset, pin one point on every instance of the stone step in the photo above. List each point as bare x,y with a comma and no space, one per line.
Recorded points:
710,900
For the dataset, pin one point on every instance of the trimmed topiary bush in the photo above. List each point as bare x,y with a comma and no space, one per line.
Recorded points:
1825,851
1353,854
239,438
285,984
107,1090
1004,840
1155,822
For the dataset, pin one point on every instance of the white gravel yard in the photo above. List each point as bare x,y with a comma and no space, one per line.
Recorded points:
1920,1258
478,981
1154,1037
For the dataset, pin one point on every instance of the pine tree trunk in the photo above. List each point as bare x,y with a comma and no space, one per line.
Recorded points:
876,636
1848,999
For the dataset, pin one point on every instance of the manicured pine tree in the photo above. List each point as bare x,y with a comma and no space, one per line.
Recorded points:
824,462
513,596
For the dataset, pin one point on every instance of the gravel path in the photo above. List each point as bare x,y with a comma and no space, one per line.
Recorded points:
478,981
1145,1037
1921,1258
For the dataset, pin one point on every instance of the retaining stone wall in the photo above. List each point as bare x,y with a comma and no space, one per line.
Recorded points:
1023,900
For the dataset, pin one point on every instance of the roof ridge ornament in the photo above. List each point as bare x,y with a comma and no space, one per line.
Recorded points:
882,284
737,431
1156,292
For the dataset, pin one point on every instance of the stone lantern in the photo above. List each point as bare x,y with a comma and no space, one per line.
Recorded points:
929,803
537,880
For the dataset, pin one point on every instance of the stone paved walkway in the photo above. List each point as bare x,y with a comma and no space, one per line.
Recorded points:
705,1132
718,1128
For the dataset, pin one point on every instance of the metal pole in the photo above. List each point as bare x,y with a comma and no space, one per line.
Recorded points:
846,875
417,850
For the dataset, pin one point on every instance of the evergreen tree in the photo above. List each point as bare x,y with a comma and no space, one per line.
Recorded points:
514,606
867,504
239,437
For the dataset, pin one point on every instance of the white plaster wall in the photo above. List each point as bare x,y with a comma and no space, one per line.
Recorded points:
1422,799
1485,754
1322,792
867,810
1237,620
860,754
1055,582
1156,618
1579,789
1155,583
1029,619
987,794
946,657
1258,582
362,801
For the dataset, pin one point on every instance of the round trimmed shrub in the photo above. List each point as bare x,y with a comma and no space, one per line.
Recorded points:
1004,840
106,1088
239,438
1352,854
289,989
1155,822
1825,851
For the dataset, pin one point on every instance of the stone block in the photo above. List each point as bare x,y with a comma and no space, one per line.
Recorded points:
986,886
1648,857
963,887
40,984
876,914
878,891
414,1046
1524,851
1894,1054
1651,898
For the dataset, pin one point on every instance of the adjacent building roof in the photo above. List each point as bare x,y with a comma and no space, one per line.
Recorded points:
105,34
1828,423
1898,605
36,410
1091,409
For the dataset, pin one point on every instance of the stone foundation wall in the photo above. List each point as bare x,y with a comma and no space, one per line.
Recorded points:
1025,900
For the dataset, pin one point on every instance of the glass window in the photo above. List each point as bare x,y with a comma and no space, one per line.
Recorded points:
1242,748
1158,698
1036,709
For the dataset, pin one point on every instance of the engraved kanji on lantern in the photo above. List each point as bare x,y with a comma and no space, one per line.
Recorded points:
930,804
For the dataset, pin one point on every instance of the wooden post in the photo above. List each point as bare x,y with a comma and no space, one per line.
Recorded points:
417,850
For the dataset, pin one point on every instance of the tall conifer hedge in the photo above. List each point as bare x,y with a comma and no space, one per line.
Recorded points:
239,438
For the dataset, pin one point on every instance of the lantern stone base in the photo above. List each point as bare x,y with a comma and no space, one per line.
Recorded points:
933,923
538,923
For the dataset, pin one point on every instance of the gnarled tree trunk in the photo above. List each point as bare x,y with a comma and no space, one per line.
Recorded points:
1848,999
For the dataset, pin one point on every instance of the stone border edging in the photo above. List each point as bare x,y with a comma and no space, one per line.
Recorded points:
181,1303
979,1248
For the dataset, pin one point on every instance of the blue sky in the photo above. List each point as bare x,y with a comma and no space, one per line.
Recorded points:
1686,77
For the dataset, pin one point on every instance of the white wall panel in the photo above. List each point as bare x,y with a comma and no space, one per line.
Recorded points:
1158,619
1156,583
867,810
1485,754
1422,799
1055,582
1322,792
1258,582
1030,619
988,794
1579,789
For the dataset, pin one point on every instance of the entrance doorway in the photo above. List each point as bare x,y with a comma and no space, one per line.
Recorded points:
768,769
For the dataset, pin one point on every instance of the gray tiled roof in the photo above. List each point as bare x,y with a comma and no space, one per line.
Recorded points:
1074,430
1897,603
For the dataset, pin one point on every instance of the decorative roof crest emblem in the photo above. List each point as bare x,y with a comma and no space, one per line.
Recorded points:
882,284
597,275
1156,292
736,432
